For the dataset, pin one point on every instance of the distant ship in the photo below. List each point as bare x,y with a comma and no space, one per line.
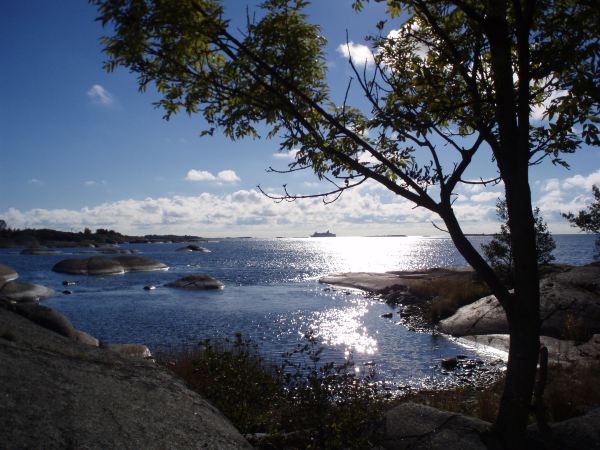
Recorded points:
325,234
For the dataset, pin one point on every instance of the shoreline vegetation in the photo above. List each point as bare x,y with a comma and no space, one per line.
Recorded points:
32,238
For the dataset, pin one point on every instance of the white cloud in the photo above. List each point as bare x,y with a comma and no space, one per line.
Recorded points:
583,182
248,212
199,175
35,181
291,154
224,176
486,196
228,176
100,95
359,53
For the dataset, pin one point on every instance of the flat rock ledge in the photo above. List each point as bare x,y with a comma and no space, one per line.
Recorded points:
378,281
196,282
58,393
102,265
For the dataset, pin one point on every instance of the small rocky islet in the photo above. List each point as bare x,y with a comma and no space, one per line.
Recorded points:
102,265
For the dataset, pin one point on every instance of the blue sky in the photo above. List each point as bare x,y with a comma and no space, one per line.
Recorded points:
82,148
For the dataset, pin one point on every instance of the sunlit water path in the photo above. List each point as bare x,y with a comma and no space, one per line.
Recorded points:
271,296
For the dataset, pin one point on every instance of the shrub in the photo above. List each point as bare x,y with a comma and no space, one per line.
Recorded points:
302,403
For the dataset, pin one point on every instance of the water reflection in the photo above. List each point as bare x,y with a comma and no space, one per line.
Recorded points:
344,328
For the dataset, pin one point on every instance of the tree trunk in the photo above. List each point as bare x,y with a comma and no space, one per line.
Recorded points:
522,313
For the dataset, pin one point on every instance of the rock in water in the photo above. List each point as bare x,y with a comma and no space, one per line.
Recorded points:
198,282
193,248
132,263
25,292
7,274
102,265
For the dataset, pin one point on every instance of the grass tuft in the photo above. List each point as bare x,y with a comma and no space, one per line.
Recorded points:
449,293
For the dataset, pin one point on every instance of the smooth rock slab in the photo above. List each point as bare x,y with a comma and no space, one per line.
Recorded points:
197,282
25,292
419,427
102,265
7,274
57,394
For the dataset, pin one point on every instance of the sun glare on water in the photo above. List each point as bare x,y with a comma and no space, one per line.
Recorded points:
343,328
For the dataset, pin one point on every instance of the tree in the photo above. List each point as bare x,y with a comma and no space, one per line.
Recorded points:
457,79
498,251
3,225
588,220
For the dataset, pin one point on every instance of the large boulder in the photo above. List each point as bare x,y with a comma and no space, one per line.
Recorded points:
569,300
7,274
25,292
57,393
102,265
581,432
132,263
197,282
419,427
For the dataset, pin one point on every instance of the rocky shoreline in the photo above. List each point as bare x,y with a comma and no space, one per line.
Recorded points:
570,309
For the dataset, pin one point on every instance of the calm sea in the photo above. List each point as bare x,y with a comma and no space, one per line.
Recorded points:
271,296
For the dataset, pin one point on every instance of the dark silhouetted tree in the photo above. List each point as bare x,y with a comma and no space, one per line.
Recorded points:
457,79
588,220
498,251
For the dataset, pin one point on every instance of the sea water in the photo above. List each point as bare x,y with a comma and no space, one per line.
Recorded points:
272,296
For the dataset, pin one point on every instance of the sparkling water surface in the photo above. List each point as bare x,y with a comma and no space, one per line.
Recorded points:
271,296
